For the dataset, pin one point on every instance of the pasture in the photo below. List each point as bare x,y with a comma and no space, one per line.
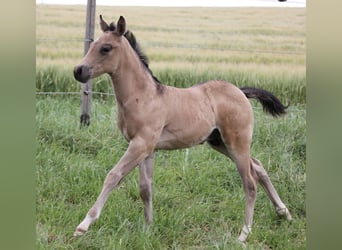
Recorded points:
198,199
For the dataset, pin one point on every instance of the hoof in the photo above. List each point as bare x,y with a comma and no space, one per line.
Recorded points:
284,212
246,230
242,239
79,232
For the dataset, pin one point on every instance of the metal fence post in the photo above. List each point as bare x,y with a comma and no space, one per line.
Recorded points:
86,88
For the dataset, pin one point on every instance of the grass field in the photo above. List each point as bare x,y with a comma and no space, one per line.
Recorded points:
198,199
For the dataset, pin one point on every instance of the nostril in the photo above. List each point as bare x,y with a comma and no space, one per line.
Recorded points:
82,73
77,71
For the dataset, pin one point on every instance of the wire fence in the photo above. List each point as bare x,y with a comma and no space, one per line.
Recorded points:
75,93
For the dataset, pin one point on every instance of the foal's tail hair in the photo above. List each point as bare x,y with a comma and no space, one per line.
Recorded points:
270,103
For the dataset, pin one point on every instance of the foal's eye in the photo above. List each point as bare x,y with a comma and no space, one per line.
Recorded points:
105,49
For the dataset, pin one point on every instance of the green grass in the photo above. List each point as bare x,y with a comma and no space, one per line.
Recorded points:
198,199
289,88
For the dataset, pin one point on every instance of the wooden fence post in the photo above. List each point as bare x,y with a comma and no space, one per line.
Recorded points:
89,38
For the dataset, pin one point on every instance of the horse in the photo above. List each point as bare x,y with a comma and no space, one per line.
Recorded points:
153,116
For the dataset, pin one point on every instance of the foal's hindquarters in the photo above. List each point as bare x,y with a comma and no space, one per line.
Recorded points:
233,137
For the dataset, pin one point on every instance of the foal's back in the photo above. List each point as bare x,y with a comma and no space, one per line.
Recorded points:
218,100
193,113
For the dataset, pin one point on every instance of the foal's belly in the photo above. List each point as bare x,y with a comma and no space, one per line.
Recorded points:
183,138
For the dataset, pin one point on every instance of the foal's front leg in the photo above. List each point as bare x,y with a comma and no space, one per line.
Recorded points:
136,152
145,186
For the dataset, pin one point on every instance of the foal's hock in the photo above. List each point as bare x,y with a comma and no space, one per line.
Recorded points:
154,116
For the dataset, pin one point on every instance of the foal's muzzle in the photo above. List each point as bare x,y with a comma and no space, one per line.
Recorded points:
82,73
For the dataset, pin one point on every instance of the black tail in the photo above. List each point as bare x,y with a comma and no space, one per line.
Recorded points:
270,103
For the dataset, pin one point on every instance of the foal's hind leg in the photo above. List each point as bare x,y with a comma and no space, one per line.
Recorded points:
145,186
249,180
269,188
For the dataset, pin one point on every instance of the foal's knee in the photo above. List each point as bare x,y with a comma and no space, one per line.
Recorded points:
250,186
113,178
145,191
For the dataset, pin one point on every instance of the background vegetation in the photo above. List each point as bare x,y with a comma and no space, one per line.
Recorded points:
198,199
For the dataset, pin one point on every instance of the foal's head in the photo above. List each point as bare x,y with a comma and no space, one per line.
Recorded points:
104,54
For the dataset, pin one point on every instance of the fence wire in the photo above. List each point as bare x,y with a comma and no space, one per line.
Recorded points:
74,93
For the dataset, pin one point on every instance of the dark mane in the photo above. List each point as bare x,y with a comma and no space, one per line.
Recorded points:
142,56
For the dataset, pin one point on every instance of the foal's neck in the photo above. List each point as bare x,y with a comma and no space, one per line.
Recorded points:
132,79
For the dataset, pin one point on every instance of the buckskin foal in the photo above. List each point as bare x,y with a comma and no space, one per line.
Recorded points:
153,116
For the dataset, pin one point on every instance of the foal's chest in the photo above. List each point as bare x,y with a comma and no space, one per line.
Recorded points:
129,123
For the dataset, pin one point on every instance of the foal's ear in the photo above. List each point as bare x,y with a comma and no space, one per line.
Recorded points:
103,24
121,26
